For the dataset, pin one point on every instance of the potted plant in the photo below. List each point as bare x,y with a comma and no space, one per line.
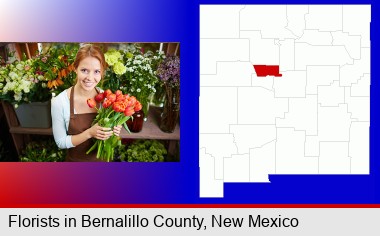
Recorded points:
42,151
29,84
142,151
169,73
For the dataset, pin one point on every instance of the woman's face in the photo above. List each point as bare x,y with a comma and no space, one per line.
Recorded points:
89,73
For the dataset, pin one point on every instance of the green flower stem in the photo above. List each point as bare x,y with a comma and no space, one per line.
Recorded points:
92,148
100,149
105,148
123,120
126,127
108,114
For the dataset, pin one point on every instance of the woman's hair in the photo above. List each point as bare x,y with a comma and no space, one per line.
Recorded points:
92,51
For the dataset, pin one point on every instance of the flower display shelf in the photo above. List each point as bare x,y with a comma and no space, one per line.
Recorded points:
34,115
150,130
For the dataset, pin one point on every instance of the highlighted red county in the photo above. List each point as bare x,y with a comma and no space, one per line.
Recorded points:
267,70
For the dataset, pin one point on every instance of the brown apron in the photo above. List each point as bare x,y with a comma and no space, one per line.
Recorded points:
77,124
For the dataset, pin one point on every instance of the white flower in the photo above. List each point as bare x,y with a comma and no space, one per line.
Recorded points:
138,90
9,86
20,66
25,85
18,96
138,62
13,75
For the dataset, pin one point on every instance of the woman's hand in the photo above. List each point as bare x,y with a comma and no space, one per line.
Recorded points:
99,132
117,130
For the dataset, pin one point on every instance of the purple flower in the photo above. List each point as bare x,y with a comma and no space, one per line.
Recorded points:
169,70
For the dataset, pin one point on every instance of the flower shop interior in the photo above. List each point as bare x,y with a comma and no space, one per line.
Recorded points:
31,74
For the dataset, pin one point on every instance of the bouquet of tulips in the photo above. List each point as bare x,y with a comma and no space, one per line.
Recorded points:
116,108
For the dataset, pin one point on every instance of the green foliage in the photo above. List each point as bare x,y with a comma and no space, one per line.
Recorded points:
143,151
43,151
133,72
39,78
57,65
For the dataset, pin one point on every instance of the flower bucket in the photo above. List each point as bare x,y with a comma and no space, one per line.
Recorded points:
170,114
34,115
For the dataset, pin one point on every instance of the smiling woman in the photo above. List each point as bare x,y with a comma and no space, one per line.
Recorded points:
72,117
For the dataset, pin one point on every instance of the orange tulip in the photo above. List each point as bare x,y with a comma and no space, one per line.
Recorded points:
107,92
138,106
120,98
131,101
91,103
118,106
106,103
129,111
118,93
112,97
99,97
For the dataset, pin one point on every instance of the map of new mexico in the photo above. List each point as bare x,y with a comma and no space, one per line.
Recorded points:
284,89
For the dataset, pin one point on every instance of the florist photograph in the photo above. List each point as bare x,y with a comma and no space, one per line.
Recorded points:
90,102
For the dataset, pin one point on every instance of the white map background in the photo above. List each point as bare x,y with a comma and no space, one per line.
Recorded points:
313,120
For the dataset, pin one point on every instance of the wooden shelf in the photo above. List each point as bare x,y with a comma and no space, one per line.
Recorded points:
22,130
150,129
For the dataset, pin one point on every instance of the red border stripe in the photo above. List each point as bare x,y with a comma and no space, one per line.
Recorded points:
189,205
